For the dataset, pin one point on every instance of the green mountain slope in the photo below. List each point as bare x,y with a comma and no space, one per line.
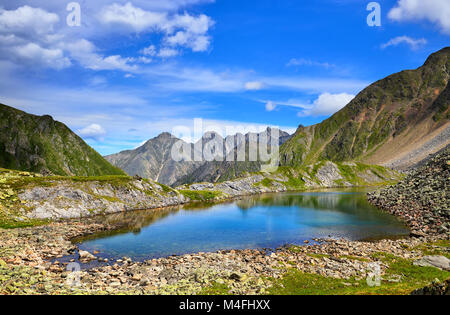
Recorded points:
394,122
43,145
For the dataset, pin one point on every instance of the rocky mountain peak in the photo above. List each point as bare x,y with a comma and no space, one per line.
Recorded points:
42,145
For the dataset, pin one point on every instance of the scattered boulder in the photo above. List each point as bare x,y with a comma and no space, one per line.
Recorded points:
440,262
86,256
436,288
422,198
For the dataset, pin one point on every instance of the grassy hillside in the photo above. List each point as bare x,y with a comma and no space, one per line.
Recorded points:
383,121
42,145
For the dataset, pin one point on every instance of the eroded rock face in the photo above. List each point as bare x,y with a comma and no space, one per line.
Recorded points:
328,174
422,198
70,200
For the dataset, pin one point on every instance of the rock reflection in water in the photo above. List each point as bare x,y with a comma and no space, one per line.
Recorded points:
266,221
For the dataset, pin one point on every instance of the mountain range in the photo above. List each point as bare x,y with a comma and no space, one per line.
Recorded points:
154,158
396,122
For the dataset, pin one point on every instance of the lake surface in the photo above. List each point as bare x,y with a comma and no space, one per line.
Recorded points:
266,221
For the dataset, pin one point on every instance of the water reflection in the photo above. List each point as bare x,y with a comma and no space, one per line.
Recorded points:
254,222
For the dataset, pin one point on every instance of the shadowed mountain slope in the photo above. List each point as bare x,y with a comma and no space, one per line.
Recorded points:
43,145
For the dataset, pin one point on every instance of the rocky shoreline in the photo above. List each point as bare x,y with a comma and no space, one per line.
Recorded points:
421,200
29,264
32,260
26,196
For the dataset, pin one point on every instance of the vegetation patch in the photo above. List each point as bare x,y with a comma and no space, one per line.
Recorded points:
215,288
166,188
266,182
15,224
200,195
401,278
439,248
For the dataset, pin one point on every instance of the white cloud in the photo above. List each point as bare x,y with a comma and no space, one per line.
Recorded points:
26,38
135,18
308,62
411,42
316,84
168,52
327,104
27,21
193,33
434,11
37,36
254,85
270,106
145,60
85,53
149,51
157,5
179,30
164,52
93,131
33,53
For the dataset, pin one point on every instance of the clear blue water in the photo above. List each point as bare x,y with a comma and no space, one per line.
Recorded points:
267,221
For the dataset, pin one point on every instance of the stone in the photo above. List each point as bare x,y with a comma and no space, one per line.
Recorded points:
85,255
440,262
436,288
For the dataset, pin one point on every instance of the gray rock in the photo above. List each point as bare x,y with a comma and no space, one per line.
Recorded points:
84,255
440,262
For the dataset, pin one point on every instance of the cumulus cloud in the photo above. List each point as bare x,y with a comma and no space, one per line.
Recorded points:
27,21
179,30
434,11
411,42
27,35
327,104
254,85
35,54
38,37
132,17
93,131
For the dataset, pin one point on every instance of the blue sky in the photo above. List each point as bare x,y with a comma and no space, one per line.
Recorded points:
136,68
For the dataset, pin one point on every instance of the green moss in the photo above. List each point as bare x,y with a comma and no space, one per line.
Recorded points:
165,188
200,195
354,258
109,198
441,248
349,173
412,277
294,176
9,224
266,182
215,289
